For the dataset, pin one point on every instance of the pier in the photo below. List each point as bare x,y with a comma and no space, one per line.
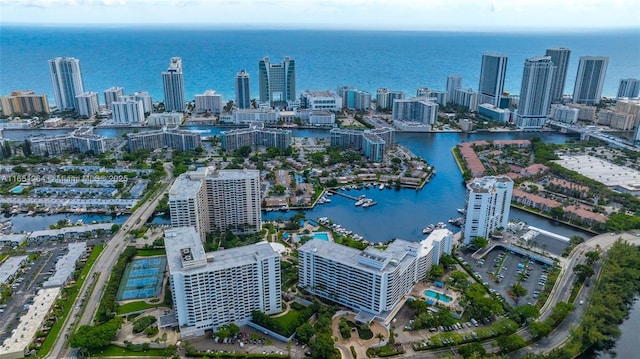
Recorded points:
342,194
549,234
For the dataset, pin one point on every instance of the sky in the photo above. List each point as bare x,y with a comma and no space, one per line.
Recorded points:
445,15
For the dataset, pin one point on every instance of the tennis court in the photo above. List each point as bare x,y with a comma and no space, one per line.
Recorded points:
142,279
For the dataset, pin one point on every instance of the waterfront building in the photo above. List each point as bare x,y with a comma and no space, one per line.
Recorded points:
535,93
243,93
585,112
53,122
112,94
560,58
440,96
487,206
590,79
87,104
372,143
188,203
255,135
454,82
489,112
147,103
354,99
316,118
492,74
629,88
82,140
66,80
168,119
417,109
466,125
386,97
127,112
23,103
617,178
277,81
248,116
467,98
372,282
209,102
166,137
564,114
173,84
320,100
617,120
222,287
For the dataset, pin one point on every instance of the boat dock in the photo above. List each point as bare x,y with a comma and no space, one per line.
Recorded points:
343,194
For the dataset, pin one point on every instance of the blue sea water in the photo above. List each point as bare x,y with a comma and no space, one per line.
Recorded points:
134,57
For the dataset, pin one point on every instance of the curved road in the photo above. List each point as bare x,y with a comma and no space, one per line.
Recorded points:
99,273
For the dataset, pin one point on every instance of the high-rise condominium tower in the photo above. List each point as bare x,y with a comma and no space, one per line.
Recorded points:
590,79
560,59
243,96
537,81
112,94
488,204
492,74
173,82
629,88
454,82
277,81
66,79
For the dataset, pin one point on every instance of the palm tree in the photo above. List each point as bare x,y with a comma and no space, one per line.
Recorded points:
380,337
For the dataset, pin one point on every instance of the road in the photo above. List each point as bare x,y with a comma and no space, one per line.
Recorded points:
101,268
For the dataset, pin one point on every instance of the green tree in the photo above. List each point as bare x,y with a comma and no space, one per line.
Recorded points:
523,313
323,347
510,343
539,329
480,242
20,170
583,271
518,291
436,272
592,257
473,350
305,332
380,337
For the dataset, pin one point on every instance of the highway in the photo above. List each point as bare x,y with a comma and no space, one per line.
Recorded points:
102,268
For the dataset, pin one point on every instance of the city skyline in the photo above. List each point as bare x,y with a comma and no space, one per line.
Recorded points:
497,15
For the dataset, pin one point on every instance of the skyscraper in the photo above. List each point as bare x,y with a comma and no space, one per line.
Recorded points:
243,97
488,204
127,112
492,74
590,79
560,59
87,104
535,92
173,82
277,81
221,287
629,88
112,94
66,80
454,82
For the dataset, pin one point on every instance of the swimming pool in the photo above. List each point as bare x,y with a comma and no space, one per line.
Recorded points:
321,235
17,189
435,295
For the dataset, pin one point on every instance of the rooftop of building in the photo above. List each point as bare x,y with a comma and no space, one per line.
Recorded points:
601,170
185,187
10,267
185,253
13,237
66,265
73,229
319,93
488,183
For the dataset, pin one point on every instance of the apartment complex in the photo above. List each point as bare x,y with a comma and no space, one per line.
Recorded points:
173,84
82,140
243,93
166,137
87,104
222,287
66,80
255,135
372,143
127,111
354,99
209,102
454,82
629,88
320,100
590,79
112,94
23,103
232,200
560,59
466,98
385,97
417,109
371,281
277,81
487,206
492,74
535,93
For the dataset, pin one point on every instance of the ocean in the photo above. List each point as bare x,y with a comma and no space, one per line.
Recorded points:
134,58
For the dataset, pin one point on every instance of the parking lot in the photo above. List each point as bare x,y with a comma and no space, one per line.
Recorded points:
500,269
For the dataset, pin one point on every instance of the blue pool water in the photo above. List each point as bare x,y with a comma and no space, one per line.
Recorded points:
17,189
435,295
321,235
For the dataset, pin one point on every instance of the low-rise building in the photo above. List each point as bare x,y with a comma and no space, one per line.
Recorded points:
490,112
564,114
255,135
175,138
168,119
320,100
10,267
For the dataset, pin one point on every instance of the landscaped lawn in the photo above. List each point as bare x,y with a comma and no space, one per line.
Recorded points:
291,317
135,306
116,351
150,252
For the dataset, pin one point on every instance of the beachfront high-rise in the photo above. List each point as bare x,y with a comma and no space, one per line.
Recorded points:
209,102
590,79
535,92
354,99
385,97
232,199
188,203
23,102
487,206
222,287
127,111
277,81
87,104
629,88
492,75
66,80
560,58
243,94
454,82
112,95
373,282
173,84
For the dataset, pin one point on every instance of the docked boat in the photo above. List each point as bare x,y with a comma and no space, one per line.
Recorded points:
461,210
428,229
360,202
369,203
381,186
456,221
